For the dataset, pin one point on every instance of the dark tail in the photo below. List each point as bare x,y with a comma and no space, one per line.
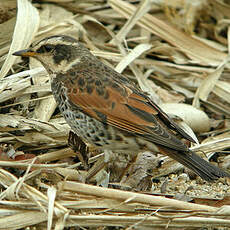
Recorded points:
201,167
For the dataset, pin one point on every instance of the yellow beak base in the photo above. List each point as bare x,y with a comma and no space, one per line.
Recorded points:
25,53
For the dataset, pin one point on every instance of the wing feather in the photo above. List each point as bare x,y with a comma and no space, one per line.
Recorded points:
127,110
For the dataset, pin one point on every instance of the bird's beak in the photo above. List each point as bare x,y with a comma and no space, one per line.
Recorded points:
25,53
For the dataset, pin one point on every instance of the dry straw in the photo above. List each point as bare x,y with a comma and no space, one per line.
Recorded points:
176,51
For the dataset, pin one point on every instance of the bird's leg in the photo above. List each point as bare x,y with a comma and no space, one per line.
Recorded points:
79,147
130,164
99,165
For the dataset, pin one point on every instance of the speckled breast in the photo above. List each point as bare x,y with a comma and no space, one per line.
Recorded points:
91,130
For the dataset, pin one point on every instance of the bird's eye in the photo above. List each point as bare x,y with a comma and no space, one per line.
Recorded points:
45,49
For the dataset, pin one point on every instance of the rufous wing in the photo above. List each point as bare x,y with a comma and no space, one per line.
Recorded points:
127,110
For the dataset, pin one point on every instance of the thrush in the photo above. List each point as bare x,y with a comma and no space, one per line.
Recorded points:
106,109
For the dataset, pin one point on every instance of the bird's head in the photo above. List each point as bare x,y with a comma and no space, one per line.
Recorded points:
56,53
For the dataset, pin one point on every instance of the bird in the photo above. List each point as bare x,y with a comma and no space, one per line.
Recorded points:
107,110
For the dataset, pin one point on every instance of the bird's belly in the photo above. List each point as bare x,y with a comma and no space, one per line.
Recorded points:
97,133
101,135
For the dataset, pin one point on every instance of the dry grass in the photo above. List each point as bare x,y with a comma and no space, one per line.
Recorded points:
177,51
